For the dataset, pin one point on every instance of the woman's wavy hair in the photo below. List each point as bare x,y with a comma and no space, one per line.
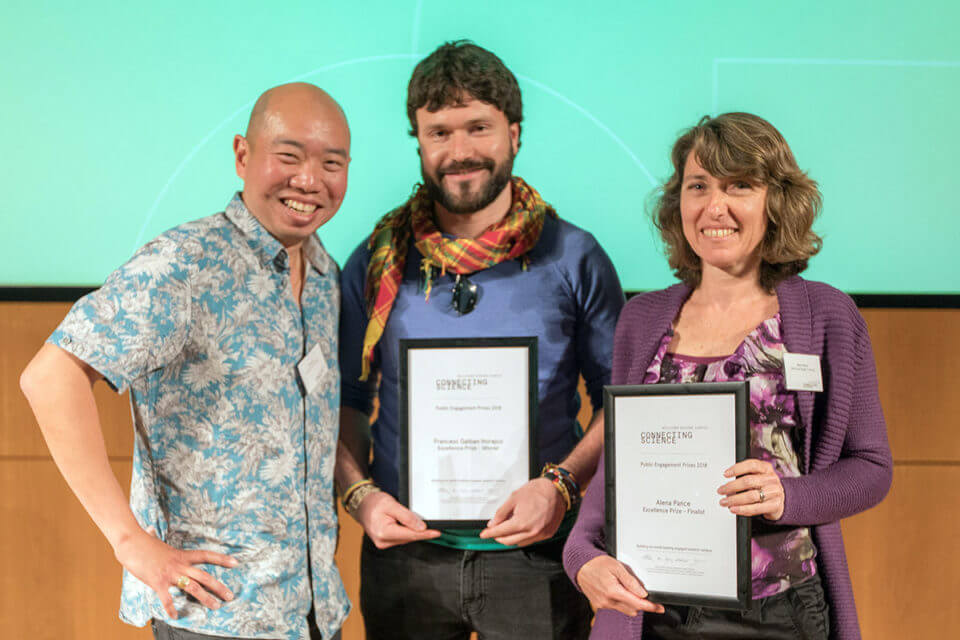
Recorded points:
742,145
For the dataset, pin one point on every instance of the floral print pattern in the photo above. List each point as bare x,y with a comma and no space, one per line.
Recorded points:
230,452
782,556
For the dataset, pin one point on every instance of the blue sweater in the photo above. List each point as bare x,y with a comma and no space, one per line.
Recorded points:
569,297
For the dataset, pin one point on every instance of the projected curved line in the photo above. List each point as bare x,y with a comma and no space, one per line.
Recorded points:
203,141
176,172
589,116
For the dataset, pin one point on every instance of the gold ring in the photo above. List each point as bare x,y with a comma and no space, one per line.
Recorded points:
183,582
761,494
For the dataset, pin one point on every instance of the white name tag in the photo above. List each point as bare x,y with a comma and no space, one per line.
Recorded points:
802,372
313,368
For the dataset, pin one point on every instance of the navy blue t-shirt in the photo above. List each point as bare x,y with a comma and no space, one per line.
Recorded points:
569,297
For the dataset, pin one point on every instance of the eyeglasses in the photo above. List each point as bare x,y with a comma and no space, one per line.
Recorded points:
465,294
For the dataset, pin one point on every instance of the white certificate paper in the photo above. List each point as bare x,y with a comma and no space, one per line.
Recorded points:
669,453
469,427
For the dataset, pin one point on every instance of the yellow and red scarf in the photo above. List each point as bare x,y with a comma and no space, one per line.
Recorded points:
512,237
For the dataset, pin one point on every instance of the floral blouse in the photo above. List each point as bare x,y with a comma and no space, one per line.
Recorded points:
782,556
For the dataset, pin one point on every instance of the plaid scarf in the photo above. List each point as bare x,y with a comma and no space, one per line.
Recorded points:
510,238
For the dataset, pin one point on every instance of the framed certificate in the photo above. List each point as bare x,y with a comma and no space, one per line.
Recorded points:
666,448
468,426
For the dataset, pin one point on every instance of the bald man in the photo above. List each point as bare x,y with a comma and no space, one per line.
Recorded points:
224,332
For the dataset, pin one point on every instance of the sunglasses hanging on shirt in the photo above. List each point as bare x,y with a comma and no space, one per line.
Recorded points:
465,294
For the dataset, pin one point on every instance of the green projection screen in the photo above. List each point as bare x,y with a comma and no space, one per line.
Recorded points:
118,117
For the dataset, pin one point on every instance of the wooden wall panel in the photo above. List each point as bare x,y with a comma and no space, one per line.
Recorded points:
23,328
916,352
348,561
61,580
903,556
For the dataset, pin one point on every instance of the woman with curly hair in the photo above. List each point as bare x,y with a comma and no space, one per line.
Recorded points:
736,220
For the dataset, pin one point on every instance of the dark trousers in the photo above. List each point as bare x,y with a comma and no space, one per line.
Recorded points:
799,613
423,590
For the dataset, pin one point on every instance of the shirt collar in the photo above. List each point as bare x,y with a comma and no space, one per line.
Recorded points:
268,248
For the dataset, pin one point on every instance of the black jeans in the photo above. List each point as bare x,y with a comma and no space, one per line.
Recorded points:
423,590
799,613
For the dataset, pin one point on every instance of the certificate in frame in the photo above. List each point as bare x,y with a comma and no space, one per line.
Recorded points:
468,426
666,447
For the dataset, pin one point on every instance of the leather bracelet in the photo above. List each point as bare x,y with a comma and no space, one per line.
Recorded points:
571,479
567,475
564,482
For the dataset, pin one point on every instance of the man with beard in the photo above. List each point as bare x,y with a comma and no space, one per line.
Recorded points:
475,252
224,331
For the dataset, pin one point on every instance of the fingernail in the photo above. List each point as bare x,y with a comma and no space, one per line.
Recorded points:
723,502
234,562
229,595
216,605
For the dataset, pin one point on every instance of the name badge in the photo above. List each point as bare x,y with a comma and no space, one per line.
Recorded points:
802,372
313,368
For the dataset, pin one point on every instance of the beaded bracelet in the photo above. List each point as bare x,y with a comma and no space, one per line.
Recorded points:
357,496
562,488
564,481
349,491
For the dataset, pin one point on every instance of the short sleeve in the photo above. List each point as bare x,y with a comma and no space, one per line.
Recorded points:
137,322
600,299
353,327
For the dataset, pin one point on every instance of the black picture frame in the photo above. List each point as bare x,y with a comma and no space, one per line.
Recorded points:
740,391
404,463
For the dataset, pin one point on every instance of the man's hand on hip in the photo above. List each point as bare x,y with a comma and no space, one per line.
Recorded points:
389,523
160,566
532,513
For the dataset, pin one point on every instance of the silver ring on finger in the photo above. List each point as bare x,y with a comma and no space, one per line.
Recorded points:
762,495
183,582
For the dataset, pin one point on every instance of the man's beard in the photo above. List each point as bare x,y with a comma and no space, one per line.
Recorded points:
465,202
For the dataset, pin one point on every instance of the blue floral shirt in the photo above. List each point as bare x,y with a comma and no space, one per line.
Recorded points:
231,453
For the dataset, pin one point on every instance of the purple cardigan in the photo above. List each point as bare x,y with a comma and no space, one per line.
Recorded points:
846,458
